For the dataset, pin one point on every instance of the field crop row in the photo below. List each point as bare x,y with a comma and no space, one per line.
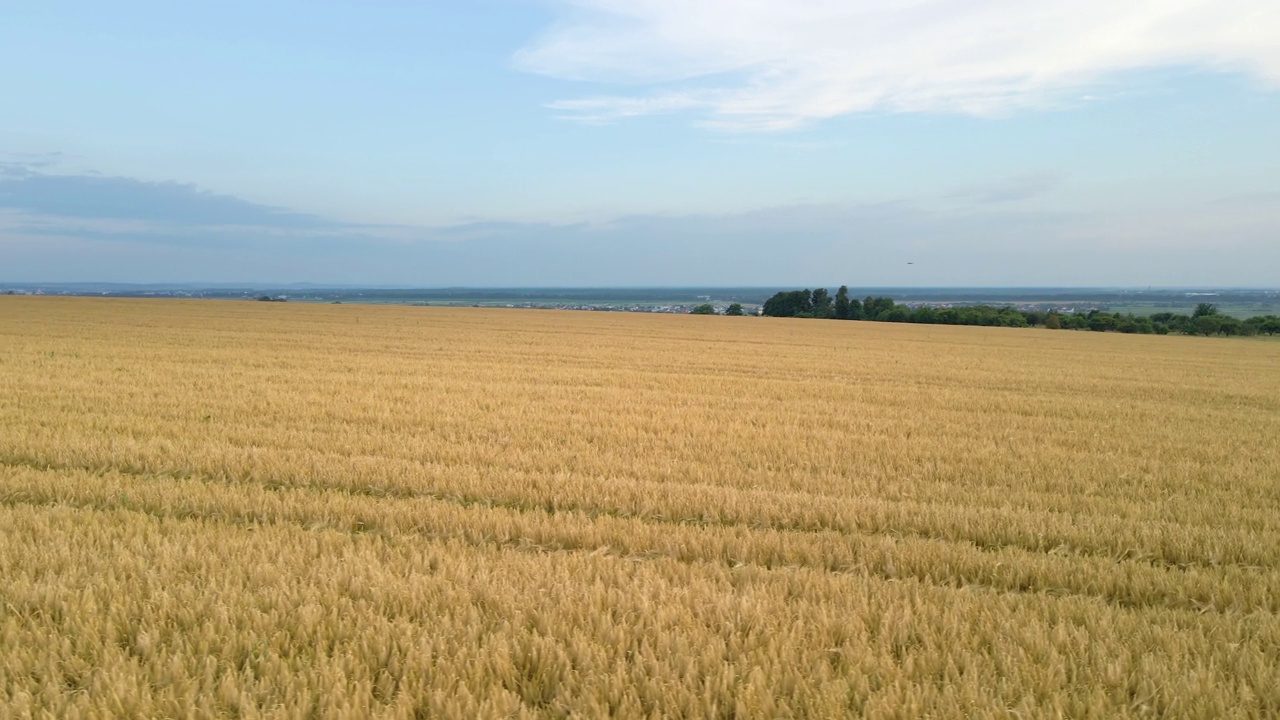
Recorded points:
222,508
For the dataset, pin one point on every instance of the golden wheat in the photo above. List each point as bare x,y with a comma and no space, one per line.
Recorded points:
262,510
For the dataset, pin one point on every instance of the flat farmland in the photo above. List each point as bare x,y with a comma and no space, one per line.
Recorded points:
244,509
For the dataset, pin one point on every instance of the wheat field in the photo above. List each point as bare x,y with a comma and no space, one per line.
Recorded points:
238,509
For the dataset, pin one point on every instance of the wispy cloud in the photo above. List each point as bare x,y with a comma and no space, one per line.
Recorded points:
869,245
23,164
778,64
24,188
1013,189
88,227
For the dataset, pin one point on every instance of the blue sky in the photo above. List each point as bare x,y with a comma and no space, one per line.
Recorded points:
642,142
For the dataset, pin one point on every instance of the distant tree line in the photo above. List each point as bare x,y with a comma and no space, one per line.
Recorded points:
819,303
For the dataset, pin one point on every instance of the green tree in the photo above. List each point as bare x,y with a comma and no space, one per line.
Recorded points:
1102,322
704,309
789,304
1207,324
1075,321
898,313
1010,317
924,314
1053,321
842,305
821,303
1228,325
1205,310
874,307
734,309
1182,324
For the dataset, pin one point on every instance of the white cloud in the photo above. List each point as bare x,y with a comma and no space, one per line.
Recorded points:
776,64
